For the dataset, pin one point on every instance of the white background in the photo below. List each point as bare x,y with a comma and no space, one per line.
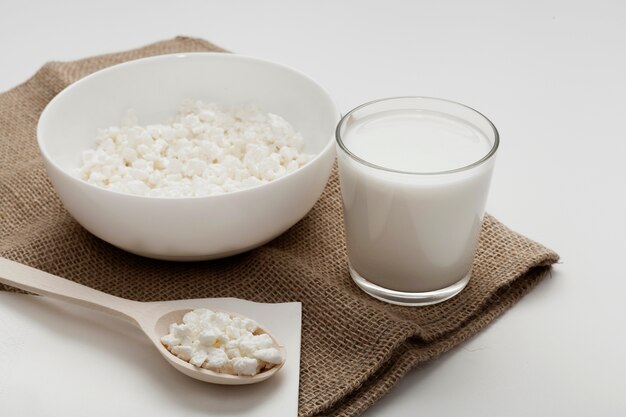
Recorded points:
550,74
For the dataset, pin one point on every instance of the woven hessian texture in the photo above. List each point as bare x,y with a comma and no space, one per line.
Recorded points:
354,348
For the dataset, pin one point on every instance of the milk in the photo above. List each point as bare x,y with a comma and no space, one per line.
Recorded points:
413,231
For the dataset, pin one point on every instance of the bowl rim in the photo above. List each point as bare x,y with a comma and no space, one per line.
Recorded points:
43,120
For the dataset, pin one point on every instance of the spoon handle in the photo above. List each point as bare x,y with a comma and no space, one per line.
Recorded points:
39,282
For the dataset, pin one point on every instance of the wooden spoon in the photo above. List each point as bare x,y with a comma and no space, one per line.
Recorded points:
153,318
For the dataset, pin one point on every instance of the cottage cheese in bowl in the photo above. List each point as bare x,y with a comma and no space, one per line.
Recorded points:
195,182
205,149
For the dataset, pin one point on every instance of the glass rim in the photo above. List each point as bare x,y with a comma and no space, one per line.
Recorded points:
486,157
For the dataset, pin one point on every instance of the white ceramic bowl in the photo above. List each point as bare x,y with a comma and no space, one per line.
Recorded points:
199,227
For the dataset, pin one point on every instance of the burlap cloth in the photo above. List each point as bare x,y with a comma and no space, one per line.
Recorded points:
354,348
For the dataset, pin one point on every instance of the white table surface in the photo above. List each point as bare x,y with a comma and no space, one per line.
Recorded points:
550,74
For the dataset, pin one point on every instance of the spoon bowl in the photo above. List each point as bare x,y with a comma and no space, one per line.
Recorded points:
161,328
153,318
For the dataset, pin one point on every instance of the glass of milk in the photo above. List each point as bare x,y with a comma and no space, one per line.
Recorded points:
414,175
